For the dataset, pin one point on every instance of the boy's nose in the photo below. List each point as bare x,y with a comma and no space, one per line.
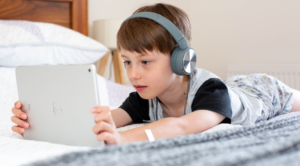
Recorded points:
135,73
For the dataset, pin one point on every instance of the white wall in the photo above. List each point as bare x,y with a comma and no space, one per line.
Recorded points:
245,32
228,32
121,9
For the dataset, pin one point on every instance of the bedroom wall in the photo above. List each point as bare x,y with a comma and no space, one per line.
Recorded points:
227,32
245,32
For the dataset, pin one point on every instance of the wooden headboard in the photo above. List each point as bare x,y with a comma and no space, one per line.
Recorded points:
68,13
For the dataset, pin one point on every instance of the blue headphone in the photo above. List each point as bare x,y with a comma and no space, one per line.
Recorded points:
183,59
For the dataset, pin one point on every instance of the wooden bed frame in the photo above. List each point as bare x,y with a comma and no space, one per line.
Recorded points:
72,14
68,13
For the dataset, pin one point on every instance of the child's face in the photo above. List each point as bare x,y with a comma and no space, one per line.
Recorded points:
149,73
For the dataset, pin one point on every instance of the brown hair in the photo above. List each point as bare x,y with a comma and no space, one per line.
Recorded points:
140,34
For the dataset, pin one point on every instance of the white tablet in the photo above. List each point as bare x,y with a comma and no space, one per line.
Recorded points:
58,100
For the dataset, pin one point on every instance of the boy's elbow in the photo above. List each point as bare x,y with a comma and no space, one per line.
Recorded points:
179,125
198,121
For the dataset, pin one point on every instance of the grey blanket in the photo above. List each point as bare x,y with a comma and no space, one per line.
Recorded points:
271,143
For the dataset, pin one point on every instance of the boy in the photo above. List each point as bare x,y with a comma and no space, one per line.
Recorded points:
175,104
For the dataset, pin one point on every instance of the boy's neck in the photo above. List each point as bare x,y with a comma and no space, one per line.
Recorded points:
174,98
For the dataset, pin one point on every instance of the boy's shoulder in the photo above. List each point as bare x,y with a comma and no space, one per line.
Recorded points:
203,79
202,75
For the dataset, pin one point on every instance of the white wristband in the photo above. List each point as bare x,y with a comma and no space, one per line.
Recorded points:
149,135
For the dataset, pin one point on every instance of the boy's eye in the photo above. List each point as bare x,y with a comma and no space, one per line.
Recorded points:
146,62
126,62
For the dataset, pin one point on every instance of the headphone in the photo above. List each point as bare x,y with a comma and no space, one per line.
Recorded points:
183,59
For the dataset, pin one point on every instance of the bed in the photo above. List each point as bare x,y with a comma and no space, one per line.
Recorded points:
272,142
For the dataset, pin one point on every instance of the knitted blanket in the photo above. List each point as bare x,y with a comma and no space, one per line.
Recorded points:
271,143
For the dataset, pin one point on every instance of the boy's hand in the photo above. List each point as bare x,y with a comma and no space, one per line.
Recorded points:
19,119
105,127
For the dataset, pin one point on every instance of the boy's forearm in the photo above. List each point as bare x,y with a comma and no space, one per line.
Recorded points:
194,122
164,128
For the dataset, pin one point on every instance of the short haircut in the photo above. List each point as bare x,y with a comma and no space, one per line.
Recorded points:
141,34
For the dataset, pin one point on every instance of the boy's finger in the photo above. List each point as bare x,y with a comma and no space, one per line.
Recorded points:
18,129
99,109
102,126
104,116
18,104
19,122
107,137
19,113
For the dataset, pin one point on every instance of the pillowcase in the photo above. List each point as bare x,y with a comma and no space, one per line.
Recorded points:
25,43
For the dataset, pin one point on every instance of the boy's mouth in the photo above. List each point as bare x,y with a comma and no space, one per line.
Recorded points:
140,88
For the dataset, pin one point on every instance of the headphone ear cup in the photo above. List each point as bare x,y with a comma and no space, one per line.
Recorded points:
183,61
174,59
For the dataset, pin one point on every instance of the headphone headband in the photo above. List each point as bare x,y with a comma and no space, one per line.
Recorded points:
167,24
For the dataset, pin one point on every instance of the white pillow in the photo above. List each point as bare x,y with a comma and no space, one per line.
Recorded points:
25,43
